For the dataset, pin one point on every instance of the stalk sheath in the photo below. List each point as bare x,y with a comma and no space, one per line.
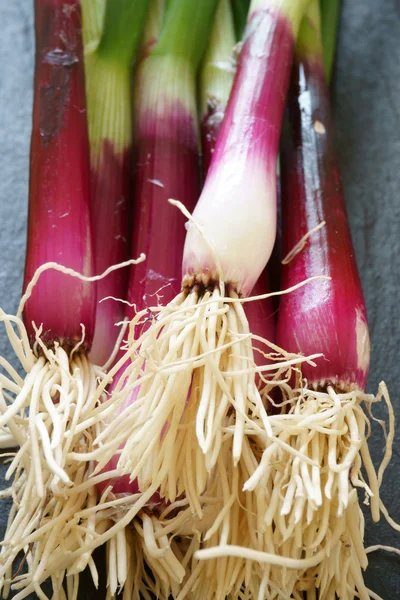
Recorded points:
166,150
237,208
59,192
109,93
216,82
328,315
330,12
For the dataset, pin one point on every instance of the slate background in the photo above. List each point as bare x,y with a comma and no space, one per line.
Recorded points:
366,97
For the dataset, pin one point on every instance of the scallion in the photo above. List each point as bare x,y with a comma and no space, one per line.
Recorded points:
60,309
216,81
44,407
108,85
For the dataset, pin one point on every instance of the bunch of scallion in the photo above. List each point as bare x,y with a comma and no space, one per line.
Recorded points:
218,449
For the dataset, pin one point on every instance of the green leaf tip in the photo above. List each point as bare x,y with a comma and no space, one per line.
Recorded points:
186,30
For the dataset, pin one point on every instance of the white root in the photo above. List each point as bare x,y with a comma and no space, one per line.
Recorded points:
256,505
44,409
39,413
7,439
186,374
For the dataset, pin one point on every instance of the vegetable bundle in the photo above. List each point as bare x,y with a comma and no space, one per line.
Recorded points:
210,461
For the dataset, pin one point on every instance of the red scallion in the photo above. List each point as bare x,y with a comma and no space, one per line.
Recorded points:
44,407
217,75
108,84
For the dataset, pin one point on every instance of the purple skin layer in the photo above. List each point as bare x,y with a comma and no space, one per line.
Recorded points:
260,313
262,322
261,318
166,166
110,191
251,127
323,316
259,89
58,222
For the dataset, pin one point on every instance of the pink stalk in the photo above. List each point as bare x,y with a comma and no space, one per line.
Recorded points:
45,406
328,316
166,166
261,317
111,180
216,82
108,85
58,222
237,208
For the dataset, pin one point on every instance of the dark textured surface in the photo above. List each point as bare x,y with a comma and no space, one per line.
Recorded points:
367,117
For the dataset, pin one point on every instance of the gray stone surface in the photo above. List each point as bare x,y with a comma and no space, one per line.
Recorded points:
367,115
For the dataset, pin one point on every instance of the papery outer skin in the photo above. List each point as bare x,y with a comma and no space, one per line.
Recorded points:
260,313
58,221
323,316
237,207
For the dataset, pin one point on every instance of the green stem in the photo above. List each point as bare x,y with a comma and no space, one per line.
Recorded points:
153,25
108,57
309,38
240,9
123,25
330,10
92,22
186,30
218,68
293,10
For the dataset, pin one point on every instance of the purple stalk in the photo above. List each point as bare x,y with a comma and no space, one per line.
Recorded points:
237,208
166,166
111,190
216,83
58,222
324,316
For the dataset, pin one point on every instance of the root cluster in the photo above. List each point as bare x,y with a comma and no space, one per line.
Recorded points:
253,503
